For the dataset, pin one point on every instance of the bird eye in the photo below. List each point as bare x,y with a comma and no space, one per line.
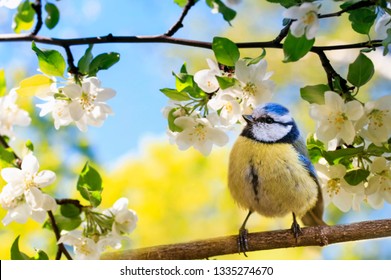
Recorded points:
266,119
269,120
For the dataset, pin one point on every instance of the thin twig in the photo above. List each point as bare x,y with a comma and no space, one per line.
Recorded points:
72,69
312,236
355,6
56,230
37,6
179,24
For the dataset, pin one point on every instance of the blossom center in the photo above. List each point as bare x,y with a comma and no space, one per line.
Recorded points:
199,132
84,248
337,119
333,186
376,117
29,182
250,88
87,101
309,18
228,107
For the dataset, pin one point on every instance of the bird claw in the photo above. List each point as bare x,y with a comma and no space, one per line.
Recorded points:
243,241
296,230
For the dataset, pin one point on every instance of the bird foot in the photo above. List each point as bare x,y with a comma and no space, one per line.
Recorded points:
296,230
243,241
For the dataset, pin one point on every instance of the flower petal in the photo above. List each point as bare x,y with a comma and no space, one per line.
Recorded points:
44,178
30,164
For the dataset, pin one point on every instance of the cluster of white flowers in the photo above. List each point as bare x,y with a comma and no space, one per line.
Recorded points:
306,21
123,221
339,122
225,107
82,103
10,4
11,114
22,195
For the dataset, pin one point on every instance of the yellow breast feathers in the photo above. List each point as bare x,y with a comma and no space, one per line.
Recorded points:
270,179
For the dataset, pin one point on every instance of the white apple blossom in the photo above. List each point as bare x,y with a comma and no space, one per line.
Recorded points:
376,123
11,114
59,110
22,196
382,25
206,78
200,133
335,118
379,185
86,248
255,86
306,19
336,190
10,4
230,111
83,104
125,220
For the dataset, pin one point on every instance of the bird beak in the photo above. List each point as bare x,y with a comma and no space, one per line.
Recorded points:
248,118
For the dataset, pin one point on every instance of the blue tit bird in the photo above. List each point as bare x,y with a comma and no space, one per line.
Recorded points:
270,172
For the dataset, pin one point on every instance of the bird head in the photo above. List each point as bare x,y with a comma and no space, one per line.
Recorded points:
271,123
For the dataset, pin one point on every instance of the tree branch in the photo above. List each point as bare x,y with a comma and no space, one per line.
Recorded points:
167,40
312,236
37,6
179,24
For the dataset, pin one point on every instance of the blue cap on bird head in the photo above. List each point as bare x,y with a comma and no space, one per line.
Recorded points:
271,123
270,108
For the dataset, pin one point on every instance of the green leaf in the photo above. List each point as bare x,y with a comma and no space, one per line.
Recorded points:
226,51
173,94
315,148
356,176
53,16
40,256
24,18
374,150
255,60
29,145
65,223
51,62
360,71
181,3
90,185
314,94
70,210
103,62
3,84
333,157
362,19
226,82
183,69
16,254
228,13
84,62
296,48
171,119
287,3
185,84
7,157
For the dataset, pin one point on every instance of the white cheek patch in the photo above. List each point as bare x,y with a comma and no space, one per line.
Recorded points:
270,132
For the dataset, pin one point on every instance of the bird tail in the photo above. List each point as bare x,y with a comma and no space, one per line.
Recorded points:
314,216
